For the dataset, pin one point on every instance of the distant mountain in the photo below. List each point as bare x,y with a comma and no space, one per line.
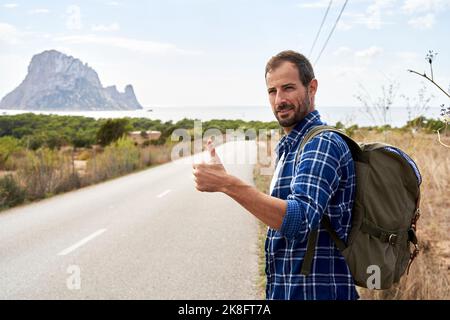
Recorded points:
56,81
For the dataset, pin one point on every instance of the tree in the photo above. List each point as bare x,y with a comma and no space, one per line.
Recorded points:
112,130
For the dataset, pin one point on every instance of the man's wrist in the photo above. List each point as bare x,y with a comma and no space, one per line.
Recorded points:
229,183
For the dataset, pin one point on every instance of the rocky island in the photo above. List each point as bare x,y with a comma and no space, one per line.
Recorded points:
58,82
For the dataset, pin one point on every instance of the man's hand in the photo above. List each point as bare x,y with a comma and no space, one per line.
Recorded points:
210,177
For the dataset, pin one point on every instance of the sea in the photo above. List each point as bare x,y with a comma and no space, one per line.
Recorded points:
396,116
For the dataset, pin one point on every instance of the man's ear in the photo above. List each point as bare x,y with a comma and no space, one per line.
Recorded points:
312,89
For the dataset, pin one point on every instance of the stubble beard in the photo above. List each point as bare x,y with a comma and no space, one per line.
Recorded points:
300,112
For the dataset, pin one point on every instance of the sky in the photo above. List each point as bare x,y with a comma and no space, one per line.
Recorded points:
213,53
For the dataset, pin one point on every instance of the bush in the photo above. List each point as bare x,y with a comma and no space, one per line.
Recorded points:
339,125
117,159
8,145
428,125
33,142
54,140
159,142
112,130
46,172
11,193
82,140
350,131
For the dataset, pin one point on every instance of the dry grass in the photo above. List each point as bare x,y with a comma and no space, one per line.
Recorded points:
159,154
429,277
44,173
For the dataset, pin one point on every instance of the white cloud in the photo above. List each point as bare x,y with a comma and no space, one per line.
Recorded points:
408,58
375,13
369,53
10,5
424,22
343,25
407,55
374,16
113,3
73,21
422,6
39,11
9,34
142,46
342,51
103,28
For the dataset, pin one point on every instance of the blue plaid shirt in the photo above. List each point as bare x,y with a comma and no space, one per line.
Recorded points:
322,182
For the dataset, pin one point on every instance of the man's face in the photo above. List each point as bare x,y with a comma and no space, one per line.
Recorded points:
290,100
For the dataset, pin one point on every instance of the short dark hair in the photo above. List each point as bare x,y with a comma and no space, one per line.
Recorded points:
304,67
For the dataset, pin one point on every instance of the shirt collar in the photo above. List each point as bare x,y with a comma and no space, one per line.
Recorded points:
299,130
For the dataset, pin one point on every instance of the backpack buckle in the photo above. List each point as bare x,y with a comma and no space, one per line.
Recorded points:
392,239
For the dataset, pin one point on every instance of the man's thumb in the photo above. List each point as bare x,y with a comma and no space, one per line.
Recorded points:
212,152
211,148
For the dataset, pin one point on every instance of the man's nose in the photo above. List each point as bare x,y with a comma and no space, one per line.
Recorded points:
280,98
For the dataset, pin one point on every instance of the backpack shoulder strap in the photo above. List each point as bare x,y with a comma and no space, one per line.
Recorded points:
326,223
353,146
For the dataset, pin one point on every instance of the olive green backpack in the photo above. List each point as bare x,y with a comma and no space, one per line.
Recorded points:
384,215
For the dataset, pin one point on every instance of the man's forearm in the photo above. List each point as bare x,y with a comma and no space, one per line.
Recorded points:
268,209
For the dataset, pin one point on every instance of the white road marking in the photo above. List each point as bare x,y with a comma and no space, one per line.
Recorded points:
82,242
165,193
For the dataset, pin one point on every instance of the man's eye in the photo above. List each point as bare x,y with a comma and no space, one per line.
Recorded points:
271,91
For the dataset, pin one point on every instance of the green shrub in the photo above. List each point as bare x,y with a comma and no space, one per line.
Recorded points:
82,140
112,130
8,145
350,131
117,159
11,193
428,125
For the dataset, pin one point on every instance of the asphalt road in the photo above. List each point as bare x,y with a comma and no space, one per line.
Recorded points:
148,235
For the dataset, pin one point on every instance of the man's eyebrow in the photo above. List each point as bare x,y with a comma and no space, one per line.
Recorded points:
283,86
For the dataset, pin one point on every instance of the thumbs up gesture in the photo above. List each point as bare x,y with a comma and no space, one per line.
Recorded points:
211,176
213,157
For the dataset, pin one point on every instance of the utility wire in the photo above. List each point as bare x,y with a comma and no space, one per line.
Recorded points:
331,32
320,28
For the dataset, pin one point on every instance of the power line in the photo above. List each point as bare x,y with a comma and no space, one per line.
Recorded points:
320,28
331,32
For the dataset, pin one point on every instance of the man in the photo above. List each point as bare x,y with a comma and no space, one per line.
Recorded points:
321,183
